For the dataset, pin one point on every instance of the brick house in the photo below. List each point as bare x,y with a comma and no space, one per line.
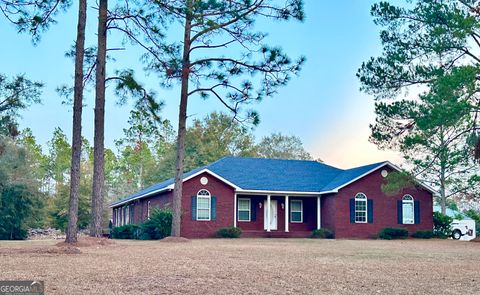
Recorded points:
284,198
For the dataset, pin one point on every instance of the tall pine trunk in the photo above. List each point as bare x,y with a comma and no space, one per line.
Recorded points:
98,141
182,118
71,233
443,168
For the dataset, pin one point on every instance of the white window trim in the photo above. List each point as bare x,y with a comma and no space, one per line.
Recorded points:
209,197
249,210
366,207
295,211
411,201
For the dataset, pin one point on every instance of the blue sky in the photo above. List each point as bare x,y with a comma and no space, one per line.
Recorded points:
323,106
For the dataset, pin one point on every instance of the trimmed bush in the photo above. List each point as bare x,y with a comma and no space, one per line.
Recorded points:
127,231
441,225
323,233
423,234
158,226
229,232
392,233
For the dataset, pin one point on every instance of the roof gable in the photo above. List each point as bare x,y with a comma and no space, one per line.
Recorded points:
351,175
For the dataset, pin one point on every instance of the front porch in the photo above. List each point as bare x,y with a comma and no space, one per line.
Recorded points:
278,216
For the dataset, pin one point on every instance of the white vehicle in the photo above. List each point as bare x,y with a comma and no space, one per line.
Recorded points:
463,229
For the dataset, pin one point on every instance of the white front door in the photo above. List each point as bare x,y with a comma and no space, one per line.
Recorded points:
273,214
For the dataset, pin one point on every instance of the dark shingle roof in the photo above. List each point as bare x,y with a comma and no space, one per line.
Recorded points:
275,175
272,175
350,174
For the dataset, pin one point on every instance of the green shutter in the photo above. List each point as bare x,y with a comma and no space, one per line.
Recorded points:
399,212
416,205
253,208
213,207
194,207
352,210
305,216
370,211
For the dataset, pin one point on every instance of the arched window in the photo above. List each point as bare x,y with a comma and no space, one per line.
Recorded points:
408,210
203,205
360,208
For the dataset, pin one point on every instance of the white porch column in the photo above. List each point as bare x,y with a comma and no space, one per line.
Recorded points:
319,213
268,213
235,210
287,203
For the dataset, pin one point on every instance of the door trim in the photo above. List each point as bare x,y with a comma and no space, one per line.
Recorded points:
274,224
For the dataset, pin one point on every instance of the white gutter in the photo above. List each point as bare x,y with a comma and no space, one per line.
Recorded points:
168,188
282,193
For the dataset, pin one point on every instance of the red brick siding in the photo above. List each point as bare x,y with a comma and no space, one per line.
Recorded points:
384,208
139,206
225,196
328,211
163,200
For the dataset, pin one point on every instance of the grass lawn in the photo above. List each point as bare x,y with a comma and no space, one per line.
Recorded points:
250,266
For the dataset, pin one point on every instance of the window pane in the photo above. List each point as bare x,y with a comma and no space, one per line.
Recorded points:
360,216
360,205
203,203
408,212
244,215
296,205
203,214
361,210
203,193
296,216
360,196
243,204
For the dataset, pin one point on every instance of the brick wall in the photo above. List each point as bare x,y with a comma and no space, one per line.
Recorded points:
328,211
225,196
384,208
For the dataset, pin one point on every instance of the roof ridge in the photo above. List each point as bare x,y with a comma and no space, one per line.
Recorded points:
277,159
372,164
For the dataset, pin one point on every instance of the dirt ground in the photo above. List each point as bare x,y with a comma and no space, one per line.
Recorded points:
249,266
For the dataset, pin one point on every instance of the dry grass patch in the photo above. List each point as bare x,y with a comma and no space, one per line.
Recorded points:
174,240
41,250
88,242
255,266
